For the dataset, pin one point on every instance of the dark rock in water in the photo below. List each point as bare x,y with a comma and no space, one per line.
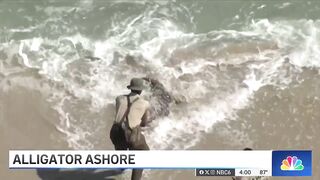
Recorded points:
130,60
3,55
92,58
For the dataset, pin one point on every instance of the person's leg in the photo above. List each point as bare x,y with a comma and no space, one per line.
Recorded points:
118,138
136,174
141,145
138,141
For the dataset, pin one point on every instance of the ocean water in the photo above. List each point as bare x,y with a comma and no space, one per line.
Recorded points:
248,72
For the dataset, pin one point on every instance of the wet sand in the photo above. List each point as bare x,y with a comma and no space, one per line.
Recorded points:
25,125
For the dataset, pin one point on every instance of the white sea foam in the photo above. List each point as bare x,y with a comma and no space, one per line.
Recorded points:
215,87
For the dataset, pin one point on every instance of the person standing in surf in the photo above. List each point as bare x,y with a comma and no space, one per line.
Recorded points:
132,113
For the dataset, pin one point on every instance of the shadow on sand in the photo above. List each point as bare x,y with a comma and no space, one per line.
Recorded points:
92,174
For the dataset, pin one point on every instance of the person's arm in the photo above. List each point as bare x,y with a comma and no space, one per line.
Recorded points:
146,118
117,106
117,102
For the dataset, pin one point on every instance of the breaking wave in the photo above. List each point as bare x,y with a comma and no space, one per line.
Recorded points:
217,72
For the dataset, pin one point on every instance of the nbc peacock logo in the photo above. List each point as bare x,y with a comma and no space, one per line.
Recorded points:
292,163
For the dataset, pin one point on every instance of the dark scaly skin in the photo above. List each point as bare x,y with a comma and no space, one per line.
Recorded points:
161,97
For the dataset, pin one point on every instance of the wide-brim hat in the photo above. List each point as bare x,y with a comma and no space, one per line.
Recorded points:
136,84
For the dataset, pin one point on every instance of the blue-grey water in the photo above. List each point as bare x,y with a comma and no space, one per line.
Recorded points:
247,73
